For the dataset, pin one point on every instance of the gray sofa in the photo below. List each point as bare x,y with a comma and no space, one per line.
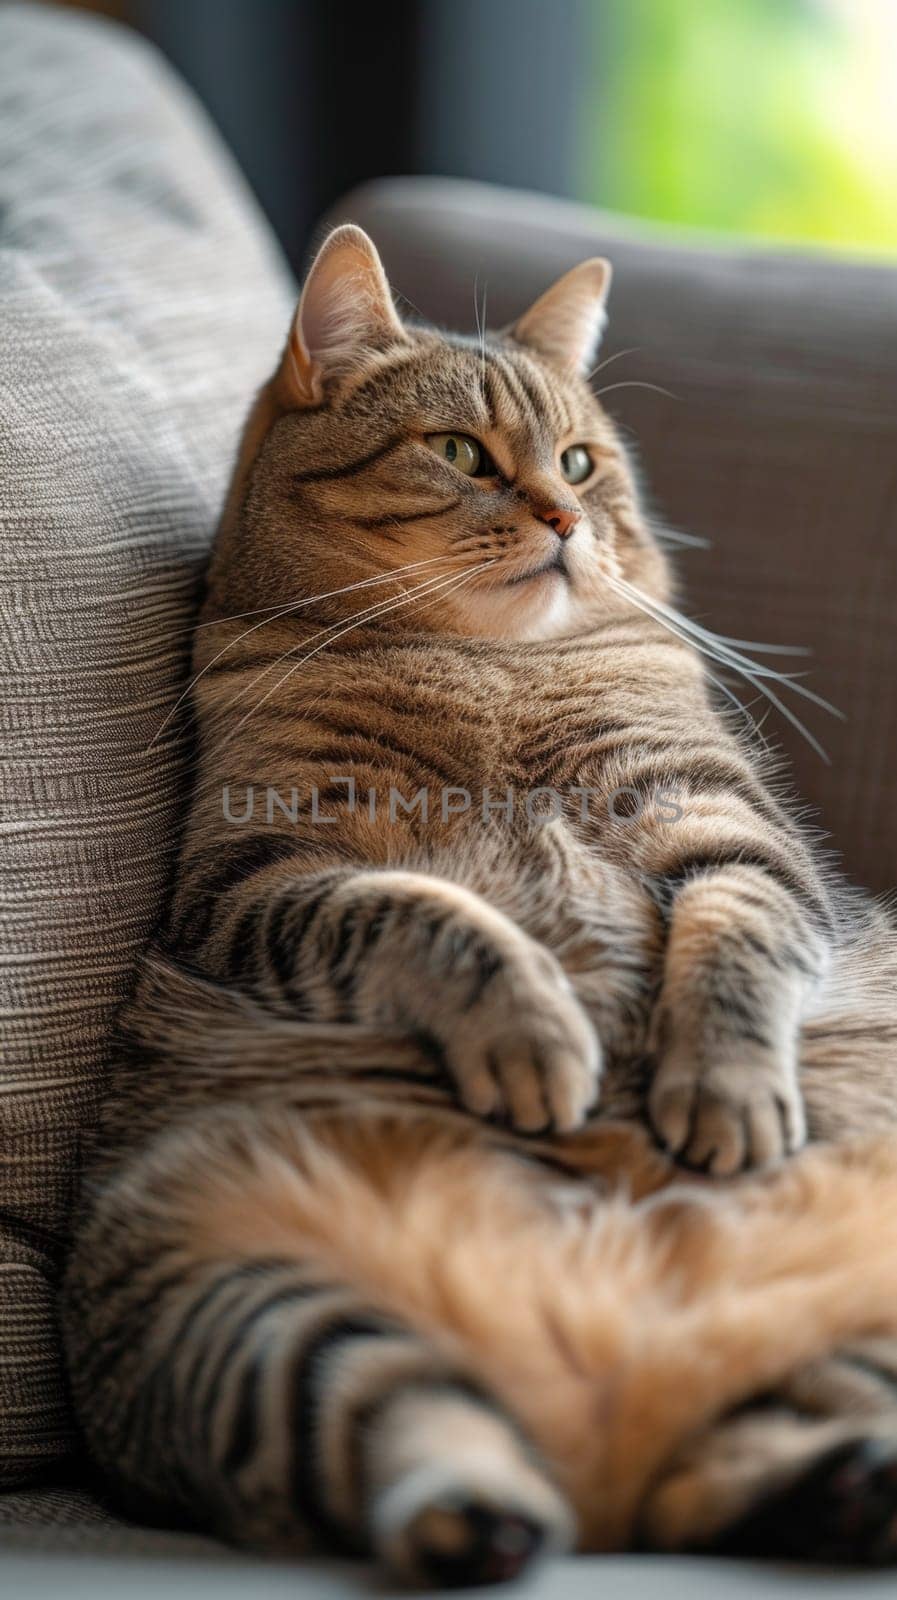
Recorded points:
142,300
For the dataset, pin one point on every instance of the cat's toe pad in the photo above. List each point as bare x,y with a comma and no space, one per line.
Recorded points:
535,1065
727,1118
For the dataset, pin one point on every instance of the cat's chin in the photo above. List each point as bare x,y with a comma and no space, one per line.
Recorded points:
543,608
552,611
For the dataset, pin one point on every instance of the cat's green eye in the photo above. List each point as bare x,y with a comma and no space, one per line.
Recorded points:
576,463
462,452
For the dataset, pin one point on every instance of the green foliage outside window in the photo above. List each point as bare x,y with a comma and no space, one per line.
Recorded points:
774,118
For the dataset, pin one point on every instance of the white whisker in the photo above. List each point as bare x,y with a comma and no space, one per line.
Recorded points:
279,611
618,355
430,585
465,577
741,708
766,649
368,611
719,649
309,600
709,645
636,383
690,540
481,334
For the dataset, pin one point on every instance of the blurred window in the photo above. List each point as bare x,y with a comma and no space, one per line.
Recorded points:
774,118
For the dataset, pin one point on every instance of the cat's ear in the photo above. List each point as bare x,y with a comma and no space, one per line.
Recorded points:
566,322
345,311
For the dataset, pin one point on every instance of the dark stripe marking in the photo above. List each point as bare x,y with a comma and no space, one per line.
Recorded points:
702,863
405,517
351,468
314,1357
230,866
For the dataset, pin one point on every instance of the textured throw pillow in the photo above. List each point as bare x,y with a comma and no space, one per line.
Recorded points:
140,303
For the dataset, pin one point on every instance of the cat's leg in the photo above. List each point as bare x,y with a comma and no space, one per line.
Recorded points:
744,955
811,1474
405,951
749,930
262,1394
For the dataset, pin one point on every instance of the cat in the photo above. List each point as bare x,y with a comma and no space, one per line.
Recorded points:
492,952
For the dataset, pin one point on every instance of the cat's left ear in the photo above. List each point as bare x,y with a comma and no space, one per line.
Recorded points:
566,322
345,311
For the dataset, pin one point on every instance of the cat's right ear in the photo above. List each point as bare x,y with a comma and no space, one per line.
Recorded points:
566,323
345,311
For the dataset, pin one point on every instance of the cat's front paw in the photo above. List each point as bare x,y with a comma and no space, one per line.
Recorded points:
726,1118
527,1055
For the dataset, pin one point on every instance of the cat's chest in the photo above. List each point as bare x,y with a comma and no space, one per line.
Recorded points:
467,717
548,720
529,720
507,720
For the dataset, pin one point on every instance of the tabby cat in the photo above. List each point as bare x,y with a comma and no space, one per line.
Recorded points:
491,952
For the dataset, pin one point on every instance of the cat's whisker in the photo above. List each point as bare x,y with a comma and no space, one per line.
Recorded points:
751,671
371,614
481,334
399,294
279,611
740,706
309,600
719,649
691,541
330,628
429,585
711,643
785,710
708,644
466,577
766,649
636,383
618,355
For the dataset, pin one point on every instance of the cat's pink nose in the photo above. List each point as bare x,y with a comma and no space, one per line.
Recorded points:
562,521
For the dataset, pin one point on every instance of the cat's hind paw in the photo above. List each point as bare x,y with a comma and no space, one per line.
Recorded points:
456,1498
842,1509
458,1540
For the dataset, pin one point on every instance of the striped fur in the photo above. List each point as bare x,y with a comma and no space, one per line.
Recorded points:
376,1228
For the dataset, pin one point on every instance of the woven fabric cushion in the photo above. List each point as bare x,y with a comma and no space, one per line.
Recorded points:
142,302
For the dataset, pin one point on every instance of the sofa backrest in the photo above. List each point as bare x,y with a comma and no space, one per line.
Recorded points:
142,301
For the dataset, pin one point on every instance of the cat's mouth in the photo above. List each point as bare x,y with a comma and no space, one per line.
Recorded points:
556,564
